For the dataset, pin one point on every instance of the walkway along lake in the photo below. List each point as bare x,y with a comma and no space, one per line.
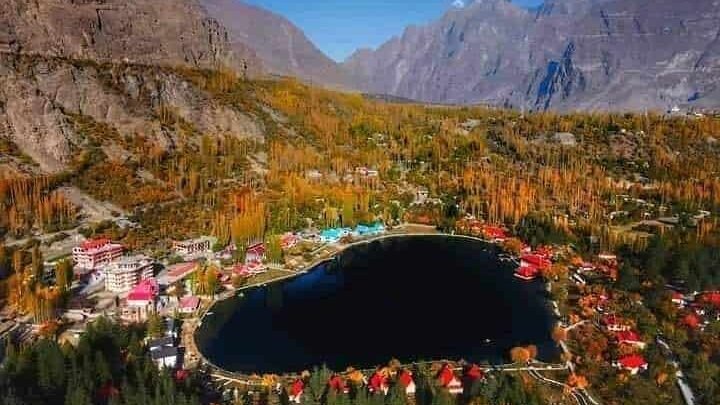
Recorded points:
408,297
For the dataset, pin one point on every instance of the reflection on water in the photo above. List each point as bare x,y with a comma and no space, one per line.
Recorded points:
409,298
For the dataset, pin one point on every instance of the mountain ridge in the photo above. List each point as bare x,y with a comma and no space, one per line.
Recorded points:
565,55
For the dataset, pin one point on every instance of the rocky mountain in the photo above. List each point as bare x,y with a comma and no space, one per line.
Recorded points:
164,32
283,48
566,54
113,63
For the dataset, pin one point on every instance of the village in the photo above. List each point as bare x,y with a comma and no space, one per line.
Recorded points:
175,294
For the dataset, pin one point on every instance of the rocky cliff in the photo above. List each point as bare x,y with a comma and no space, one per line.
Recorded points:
112,62
169,32
283,48
567,54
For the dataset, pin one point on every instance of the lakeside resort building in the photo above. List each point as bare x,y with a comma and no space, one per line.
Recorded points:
194,247
141,301
124,274
94,254
334,235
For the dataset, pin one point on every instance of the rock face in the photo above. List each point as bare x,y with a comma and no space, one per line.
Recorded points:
168,32
283,48
566,54
40,96
102,59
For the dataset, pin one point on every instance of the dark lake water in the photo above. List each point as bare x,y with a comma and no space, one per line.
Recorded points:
410,298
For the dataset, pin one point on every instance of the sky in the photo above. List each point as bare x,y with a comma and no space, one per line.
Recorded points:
339,27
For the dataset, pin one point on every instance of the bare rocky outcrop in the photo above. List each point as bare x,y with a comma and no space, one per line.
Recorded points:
166,32
40,96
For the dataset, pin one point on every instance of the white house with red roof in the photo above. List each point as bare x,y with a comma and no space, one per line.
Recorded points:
447,379
678,299
189,304
296,390
614,323
535,260
630,337
140,302
634,363
378,383
527,273
406,381
255,253
494,233
289,240
94,254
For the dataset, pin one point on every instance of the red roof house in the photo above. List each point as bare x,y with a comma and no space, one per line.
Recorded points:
614,323
494,233
474,373
678,299
630,337
337,384
535,260
143,293
255,253
527,273
691,321
378,383
447,379
296,391
189,304
633,363
711,298
405,379
288,240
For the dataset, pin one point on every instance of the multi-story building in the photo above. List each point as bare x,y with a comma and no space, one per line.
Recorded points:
94,254
193,246
124,274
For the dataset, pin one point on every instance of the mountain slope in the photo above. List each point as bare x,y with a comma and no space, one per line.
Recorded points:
114,63
283,48
165,32
567,54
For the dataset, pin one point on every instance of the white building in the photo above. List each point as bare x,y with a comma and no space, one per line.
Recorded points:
124,274
96,253
164,353
193,246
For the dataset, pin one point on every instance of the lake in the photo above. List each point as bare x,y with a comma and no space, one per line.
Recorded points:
411,298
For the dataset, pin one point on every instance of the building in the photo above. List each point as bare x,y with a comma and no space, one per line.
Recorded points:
378,382
255,253
124,274
473,373
296,391
634,363
630,337
289,240
535,260
337,384
165,357
163,352
333,235
143,294
193,247
446,378
94,254
614,323
177,272
405,379
527,273
140,302
189,304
